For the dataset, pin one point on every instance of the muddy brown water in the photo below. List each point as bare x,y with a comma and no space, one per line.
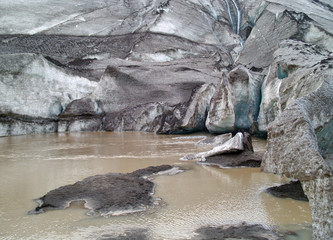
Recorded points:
30,166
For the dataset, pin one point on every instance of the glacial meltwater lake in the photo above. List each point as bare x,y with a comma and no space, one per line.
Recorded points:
30,166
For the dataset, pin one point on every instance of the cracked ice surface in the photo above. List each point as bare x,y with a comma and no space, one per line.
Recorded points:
180,18
36,16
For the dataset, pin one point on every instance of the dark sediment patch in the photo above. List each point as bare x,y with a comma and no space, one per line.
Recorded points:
133,234
109,194
292,190
241,231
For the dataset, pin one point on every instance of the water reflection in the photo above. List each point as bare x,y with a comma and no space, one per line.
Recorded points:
30,166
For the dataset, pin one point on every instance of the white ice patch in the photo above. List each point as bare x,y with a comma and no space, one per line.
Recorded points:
170,172
232,145
164,27
123,212
45,90
52,24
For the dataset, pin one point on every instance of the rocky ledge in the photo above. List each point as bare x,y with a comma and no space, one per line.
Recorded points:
109,194
299,147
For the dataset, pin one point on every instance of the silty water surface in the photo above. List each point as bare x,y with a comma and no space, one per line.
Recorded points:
30,166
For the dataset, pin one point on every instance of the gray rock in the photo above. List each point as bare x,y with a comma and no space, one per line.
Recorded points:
293,150
14,124
34,92
80,124
81,115
291,190
82,107
208,30
319,192
109,194
89,56
275,20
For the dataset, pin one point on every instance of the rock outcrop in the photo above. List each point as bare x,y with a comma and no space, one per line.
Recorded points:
293,150
296,112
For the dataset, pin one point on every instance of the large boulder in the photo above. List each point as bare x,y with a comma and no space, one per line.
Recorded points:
291,190
294,150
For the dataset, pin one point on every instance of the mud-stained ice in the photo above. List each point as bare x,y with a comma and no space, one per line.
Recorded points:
112,194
